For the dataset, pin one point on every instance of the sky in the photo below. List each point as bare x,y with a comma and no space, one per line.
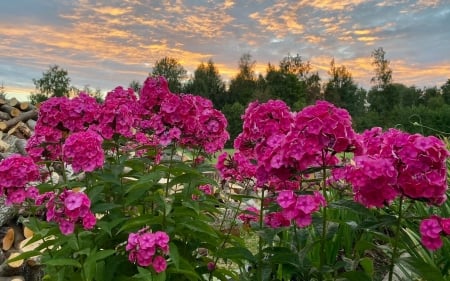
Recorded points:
104,44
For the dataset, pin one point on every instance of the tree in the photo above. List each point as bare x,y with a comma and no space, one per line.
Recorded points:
341,90
95,93
313,89
295,65
242,87
382,97
2,92
233,113
172,70
207,83
55,82
383,72
136,86
445,91
432,98
285,85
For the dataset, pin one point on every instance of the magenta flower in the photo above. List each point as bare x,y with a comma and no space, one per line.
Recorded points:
206,189
16,172
159,264
84,151
374,180
146,248
417,163
67,209
120,114
431,230
250,214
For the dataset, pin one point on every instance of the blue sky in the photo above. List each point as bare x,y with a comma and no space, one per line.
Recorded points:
104,44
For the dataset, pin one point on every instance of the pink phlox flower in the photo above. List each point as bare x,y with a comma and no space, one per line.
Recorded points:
84,151
145,248
206,189
159,264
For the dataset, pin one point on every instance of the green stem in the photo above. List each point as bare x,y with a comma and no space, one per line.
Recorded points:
324,218
228,234
396,239
166,191
259,266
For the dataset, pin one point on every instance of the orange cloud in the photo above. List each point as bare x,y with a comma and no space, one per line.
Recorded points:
332,4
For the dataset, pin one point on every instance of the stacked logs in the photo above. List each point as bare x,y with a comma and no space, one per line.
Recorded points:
17,122
16,239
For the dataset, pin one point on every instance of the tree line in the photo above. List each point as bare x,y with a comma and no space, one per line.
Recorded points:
385,104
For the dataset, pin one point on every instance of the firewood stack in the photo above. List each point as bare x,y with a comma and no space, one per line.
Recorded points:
17,122
15,239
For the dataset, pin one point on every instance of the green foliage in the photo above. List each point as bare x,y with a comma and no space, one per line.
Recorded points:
158,196
233,113
342,91
55,82
285,86
207,83
242,86
383,72
172,70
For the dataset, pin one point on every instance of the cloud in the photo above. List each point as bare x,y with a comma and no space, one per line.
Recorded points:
103,43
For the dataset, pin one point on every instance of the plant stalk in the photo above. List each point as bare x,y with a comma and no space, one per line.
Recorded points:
259,267
396,239
324,218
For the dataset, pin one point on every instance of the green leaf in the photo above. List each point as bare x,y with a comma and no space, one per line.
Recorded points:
425,270
107,226
103,254
102,207
351,206
147,275
355,276
25,255
146,182
135,164
367,264
63,262
282,255
139,222
236,254
174,254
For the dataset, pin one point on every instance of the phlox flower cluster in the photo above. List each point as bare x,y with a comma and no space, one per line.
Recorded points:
119,114
263,127
58,117
235,167
432,229
276,145
250,214
148,249
84,151
318,132
373,179
205,189
187,119
295,208
67,209
393,163
16,172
